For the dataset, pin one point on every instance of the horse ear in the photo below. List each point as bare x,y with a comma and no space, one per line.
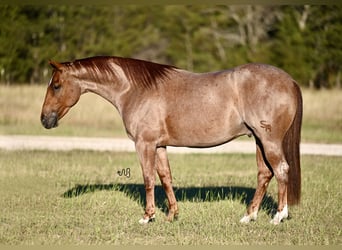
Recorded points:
56,65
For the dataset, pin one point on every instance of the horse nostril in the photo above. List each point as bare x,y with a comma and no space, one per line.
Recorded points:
42,118
49,121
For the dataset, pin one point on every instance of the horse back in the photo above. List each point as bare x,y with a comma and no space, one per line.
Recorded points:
208,109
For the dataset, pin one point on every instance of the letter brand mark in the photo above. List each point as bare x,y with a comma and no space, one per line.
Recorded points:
266,126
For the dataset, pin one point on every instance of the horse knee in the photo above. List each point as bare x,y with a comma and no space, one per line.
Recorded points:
163,173
149,183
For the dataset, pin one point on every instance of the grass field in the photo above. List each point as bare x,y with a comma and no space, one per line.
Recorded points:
77,197
20,108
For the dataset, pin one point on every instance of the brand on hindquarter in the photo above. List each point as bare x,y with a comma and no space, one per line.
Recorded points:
265,125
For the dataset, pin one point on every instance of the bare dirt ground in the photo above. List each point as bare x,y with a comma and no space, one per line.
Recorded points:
23,142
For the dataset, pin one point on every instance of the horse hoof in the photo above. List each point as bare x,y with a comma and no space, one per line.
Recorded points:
245,219
280,216
144,221
171,218
249,217
276,220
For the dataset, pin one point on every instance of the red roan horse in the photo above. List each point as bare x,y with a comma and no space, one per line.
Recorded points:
162,106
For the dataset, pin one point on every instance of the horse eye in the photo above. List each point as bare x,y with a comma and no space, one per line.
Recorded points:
56,86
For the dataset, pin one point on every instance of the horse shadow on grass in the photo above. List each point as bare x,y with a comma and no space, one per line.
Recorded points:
193,194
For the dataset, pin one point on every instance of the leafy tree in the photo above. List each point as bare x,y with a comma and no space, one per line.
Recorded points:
303,40
13,45
326,25
290,50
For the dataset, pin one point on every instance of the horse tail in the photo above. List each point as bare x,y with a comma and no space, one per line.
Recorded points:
291,147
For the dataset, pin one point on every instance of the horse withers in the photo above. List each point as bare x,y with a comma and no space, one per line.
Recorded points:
162,106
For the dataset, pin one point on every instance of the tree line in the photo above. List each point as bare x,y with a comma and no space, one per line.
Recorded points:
305,41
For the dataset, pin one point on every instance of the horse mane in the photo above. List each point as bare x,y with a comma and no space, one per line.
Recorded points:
142,74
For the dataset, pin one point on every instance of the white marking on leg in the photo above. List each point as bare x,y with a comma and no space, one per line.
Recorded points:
283,214
144,221
284,168
249,217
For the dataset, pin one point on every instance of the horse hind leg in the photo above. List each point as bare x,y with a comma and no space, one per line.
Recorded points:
281,173
275,156
264,177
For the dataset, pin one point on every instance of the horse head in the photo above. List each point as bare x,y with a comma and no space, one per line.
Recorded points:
62,93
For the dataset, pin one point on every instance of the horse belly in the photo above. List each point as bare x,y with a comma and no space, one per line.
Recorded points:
201,112
203,128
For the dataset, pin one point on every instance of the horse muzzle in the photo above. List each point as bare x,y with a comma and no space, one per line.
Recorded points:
50,120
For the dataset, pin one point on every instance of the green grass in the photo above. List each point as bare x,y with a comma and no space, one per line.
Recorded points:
77,197
20,108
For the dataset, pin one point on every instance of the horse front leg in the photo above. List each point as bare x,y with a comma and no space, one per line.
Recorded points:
164,172
147,154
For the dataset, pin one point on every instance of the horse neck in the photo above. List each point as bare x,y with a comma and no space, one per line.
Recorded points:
111,91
